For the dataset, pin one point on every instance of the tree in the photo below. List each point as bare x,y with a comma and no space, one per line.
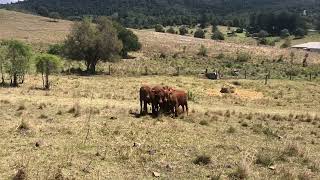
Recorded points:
214,29
3,62
199,34
56,49
263,34
217,35
284,33
129,40
43,11
299,33
183,30
203,21
171,30
55,16
92,43
18,56
159,28
46,64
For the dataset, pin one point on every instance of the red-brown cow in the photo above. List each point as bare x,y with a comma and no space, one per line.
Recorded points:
146,97
178,98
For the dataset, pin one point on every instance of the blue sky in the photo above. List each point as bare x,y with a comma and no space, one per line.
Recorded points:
7,1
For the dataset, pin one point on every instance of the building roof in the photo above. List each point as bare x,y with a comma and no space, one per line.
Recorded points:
309,45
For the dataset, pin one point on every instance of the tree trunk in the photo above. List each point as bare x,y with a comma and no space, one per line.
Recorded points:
92,67
15,80
47,87
43,85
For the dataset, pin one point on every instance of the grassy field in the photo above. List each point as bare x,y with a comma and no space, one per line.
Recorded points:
89,127
77,130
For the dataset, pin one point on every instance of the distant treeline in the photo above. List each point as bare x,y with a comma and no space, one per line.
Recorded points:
147,13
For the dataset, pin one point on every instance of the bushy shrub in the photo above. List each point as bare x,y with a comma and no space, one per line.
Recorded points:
243,57
217,35
171,30
203,51
159,28
299,33
284,33
286,44
199,34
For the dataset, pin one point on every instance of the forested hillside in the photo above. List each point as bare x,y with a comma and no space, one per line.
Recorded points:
145,13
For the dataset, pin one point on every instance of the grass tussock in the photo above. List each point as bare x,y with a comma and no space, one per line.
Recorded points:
202,160
75,110
242,171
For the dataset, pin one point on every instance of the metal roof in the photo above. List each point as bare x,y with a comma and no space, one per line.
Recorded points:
309,45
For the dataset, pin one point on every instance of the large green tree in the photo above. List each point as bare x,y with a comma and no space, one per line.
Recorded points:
92,42
46,64
18,60
129,40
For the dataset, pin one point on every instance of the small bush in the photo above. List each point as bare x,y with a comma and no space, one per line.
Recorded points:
204,123
292,149
242,171
171,30
243,57
159,28
203,51
202,160
286,44
264,158
217,35
231,130
20,175
183,30
199,34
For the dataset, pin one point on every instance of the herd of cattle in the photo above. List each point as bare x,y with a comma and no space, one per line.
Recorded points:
163,99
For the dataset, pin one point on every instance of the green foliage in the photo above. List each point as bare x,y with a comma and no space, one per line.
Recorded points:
54,15
129,40
217,35
171,30
47,64
299,33
56,49
3,61
183,30
286,44
199,34
284,33
159,28
263,34
18,59
239,30
203,51
93,43
243,57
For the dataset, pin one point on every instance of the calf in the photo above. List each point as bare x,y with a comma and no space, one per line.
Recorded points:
178,98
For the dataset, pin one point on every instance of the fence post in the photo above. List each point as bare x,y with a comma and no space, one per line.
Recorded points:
266,80
109,69
245,74
178,71
310,76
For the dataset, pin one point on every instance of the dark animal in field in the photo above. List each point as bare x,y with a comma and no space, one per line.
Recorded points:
178,98
158,94
146,97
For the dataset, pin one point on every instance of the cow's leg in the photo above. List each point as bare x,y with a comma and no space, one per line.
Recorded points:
141,108
176,110
187,108
145,108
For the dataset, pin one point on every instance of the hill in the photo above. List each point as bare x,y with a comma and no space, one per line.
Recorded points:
41,31
143,13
